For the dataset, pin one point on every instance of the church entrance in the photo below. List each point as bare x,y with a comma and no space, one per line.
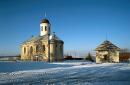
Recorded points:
106,58
37,58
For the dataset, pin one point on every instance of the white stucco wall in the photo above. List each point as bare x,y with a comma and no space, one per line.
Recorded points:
42,29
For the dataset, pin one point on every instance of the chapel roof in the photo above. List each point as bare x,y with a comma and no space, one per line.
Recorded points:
37,38
107,45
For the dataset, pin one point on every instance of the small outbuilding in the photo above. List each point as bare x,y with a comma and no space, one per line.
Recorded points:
107,52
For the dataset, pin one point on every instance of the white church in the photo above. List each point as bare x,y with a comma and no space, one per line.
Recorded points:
45,47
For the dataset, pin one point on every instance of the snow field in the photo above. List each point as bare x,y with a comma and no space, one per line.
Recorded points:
73,73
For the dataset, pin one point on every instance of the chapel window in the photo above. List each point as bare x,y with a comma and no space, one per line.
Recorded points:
24,50
45,28
41,28
60,47
37,48
44,48
31,49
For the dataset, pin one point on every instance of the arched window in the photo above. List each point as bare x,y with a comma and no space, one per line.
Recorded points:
45,28
44,48
60,47
41,28
31,50
37,48
24,50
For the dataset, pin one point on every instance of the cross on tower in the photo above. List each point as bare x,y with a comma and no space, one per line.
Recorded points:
45,14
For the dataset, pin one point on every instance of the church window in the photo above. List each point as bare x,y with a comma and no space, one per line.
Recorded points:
45,28
44,48
60,47
31,49
41,28
37,48
24,50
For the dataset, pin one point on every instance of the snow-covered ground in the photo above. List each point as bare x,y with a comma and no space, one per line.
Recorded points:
64,73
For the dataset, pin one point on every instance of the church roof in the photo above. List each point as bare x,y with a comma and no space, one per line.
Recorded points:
54,37
37,38
45,21
107,45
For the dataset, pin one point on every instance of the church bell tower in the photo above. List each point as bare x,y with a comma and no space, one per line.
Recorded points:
45,27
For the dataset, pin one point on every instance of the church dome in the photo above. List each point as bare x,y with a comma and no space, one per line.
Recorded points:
45,21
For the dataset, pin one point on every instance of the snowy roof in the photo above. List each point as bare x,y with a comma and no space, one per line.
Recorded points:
54,36
45,37
36,38
107,45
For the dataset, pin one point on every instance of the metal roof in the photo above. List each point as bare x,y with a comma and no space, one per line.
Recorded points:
45,21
